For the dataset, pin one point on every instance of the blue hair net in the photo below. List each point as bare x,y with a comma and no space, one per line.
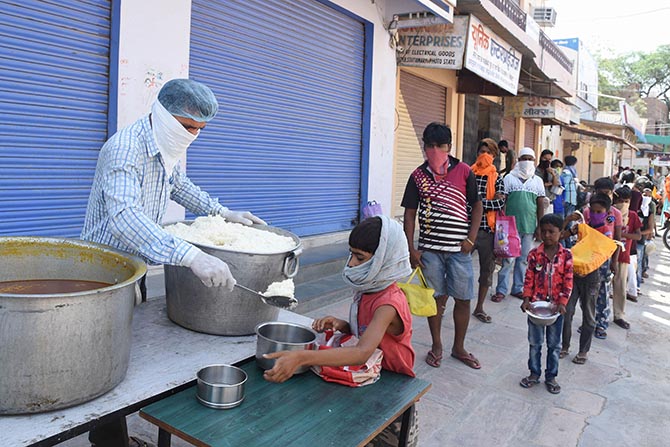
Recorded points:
188,99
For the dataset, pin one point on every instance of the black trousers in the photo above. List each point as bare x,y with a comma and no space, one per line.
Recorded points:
115,433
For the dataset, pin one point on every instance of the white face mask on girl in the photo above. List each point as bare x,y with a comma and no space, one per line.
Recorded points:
171,137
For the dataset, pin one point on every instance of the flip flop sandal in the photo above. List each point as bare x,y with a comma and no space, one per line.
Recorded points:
469,360
564,353
622,323
434,360
482,316
529,382
579,360
498,297
631,298
600,334
517,295
553,387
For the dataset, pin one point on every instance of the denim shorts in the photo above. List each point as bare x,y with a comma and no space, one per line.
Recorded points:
449,273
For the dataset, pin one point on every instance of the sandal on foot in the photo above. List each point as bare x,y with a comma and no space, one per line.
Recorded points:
434,360
529,382
468,359
632,298
517,295
137,442
563,354
622,323
600,334
482,316
552,386
498,297
579,360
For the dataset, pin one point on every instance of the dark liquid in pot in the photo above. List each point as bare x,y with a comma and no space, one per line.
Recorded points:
49,286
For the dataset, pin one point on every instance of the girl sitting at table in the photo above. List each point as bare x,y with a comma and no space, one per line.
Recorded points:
379,315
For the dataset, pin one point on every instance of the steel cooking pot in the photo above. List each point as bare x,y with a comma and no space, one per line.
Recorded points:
62,349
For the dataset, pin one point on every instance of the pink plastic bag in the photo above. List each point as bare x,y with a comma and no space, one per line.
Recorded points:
506,243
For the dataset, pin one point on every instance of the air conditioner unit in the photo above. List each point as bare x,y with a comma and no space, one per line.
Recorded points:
544,16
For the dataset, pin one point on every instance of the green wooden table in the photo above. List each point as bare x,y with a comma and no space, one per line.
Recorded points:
303,411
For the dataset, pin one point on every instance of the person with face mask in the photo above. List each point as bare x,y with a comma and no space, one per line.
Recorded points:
525,201
442,195
137,172
548,175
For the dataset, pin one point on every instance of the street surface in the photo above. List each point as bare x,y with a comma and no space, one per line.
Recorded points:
621,396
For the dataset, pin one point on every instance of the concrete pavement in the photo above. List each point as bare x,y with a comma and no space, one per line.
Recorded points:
621,396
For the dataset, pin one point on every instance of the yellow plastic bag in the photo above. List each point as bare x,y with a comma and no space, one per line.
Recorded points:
591,251
419,296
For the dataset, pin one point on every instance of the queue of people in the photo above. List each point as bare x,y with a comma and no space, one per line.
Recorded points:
457,207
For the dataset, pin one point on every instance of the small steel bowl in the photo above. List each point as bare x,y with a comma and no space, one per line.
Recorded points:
542,313
275,336
221,386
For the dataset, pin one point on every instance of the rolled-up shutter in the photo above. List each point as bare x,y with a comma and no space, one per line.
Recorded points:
509,132
420,103
54,82
530,138
286,143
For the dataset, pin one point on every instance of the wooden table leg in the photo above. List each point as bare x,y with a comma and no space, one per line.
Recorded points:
163,438
405,427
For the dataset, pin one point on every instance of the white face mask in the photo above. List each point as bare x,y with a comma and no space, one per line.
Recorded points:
527,168
171,137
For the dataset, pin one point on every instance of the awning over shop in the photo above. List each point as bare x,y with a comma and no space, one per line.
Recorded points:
440,8
597,134
658,139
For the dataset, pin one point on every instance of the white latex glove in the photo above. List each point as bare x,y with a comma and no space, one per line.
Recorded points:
242,217
212,271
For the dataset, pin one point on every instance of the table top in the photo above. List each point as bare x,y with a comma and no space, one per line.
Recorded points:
303,411
163,357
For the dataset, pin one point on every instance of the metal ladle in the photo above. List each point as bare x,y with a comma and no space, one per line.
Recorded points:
283,302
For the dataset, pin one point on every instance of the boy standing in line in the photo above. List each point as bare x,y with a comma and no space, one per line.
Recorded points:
548,278
629,233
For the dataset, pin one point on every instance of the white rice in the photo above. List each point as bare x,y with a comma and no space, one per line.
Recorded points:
214,230
281,288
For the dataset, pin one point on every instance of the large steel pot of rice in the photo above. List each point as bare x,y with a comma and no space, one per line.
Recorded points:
63,348
214,310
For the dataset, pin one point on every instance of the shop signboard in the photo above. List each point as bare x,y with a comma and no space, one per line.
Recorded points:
490,57
661,160
437,46
538,108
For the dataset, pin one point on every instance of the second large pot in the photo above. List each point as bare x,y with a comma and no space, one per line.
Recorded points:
214,310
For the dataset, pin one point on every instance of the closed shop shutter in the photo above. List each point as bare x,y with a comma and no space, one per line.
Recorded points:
530,138
420,103
509,132
286,143
54,82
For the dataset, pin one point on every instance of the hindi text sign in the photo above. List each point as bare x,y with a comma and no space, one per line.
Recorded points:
490,57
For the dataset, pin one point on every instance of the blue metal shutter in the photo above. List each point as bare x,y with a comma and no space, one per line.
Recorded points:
286,143
53,111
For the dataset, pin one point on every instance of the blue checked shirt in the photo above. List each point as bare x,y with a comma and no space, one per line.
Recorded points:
130,195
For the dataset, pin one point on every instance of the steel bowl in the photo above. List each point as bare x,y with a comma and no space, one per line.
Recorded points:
542,313
275,336
221,386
